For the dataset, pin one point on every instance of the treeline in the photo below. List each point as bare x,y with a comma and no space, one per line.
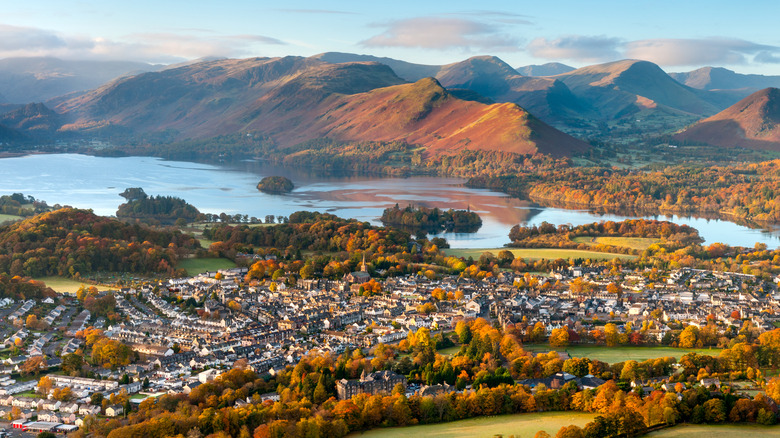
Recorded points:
19,205
548,235
746,191
158,209
23,288
71,242
432,220
318,233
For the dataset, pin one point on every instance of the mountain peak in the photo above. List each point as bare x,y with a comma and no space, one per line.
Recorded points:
753,122
549,69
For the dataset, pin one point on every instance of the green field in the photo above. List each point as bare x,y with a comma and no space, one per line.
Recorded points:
539,253
67,285
519,425
621,353
197,266
9,218
638,243
449,351
706,431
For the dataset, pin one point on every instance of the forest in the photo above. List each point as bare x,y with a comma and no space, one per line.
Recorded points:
275,184
156,209
431,220
747,192
71,243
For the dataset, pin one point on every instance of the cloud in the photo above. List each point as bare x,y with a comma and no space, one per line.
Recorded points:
148,47
442,33
708,51
666,52
767,57
576,48
21,38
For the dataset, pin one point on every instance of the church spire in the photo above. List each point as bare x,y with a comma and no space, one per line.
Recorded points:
363,267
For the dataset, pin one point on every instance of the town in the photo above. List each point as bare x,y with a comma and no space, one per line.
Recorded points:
47,385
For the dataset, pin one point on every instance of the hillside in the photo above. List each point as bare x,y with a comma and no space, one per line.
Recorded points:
293,100
626,88
218,97
750,123
492,79
70,241
38,79
33,119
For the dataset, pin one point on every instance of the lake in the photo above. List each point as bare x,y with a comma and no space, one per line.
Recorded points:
95,182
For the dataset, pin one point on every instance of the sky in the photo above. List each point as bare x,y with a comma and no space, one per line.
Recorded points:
678,35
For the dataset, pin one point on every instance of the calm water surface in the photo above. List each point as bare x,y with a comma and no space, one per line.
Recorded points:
95,182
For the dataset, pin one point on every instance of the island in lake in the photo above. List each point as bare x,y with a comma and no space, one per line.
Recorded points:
275,185
432,220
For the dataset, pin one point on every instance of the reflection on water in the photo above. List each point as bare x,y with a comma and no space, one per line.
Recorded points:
95,182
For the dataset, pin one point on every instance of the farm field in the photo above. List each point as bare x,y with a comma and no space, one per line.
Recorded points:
519,425
197,266
621,353
540,253
66,285
638,243
706,431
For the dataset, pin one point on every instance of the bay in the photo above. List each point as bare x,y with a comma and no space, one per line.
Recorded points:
95,182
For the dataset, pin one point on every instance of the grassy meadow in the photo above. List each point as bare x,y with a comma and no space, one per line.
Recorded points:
66,285
9,218
620,353
539,253
197,266
638,243
519,425
710,430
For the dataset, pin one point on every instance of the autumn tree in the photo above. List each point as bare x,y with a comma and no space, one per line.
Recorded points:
45,386
33,365
559,337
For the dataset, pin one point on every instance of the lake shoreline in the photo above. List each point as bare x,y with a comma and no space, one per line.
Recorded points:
89,181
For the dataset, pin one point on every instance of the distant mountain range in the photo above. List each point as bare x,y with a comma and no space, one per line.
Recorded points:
718,78
26,80
751,123
479,103
295,99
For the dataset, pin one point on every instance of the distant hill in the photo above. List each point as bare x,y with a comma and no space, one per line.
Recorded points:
33,118
405,70
549,69
718,78
38,79
629,87
8,135
295,99
752,123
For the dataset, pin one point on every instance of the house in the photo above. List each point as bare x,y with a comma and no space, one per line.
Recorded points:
70,408
89,410
709,382
379,381
114,411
